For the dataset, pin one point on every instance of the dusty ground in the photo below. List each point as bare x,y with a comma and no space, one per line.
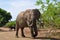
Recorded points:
5,34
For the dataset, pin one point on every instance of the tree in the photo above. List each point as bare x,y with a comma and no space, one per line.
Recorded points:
4,17
50,9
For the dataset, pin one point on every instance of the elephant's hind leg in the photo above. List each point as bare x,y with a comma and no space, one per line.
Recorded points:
17,29
22,32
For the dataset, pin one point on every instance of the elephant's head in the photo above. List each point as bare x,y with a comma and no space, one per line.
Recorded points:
34,15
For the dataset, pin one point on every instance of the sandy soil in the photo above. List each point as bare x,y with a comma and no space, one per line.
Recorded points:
5,34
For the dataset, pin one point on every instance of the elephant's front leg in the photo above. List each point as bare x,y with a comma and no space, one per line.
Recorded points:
32,32
22,33
35,31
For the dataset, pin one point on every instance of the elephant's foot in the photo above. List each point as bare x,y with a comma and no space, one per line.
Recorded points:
34,36
17,36
23,35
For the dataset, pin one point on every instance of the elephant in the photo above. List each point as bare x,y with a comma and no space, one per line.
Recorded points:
27,18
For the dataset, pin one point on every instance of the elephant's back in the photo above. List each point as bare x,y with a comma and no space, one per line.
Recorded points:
20,16
20,19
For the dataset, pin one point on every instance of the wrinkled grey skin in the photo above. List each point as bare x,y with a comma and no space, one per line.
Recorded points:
27,18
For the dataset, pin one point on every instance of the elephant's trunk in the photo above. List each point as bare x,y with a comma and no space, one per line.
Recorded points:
34,31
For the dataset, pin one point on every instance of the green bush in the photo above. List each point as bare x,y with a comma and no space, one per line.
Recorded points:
9,24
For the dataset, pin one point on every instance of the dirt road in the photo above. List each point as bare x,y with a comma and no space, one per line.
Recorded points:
5,34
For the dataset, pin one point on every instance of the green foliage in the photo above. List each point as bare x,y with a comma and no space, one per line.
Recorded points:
47,1
4,17
50,9
10,24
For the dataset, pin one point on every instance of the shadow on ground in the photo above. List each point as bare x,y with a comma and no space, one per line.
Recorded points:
47,38
44,38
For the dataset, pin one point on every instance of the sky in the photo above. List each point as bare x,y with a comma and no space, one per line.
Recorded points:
16,6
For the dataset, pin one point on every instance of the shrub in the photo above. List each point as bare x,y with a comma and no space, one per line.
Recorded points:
9,24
